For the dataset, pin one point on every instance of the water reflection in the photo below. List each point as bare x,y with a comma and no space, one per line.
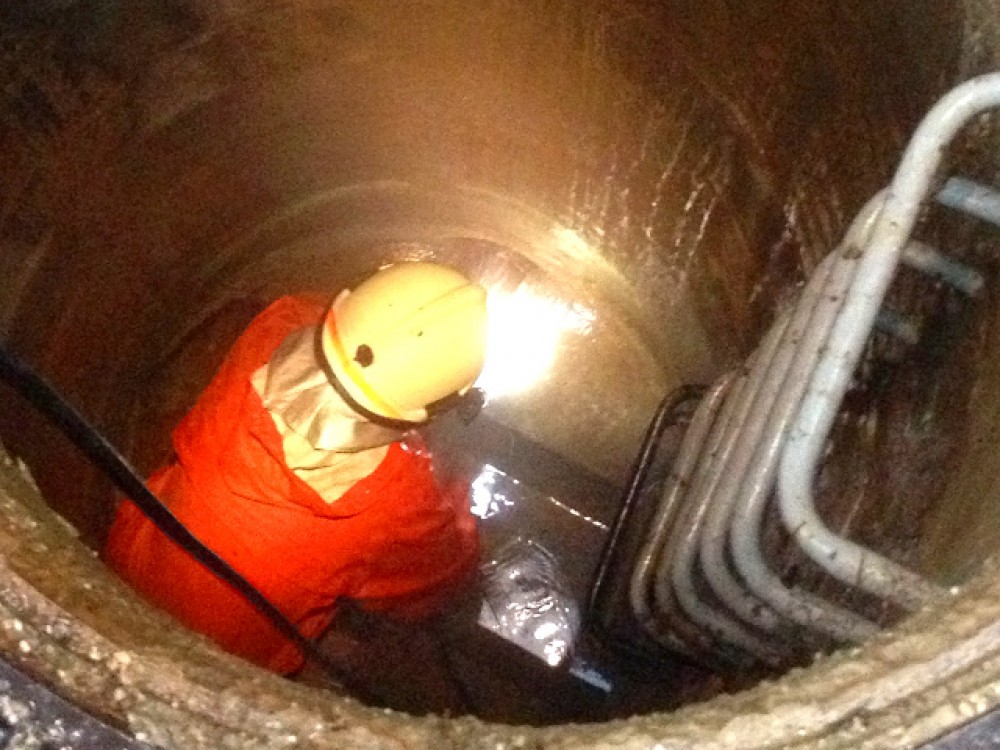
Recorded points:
487,494
527,601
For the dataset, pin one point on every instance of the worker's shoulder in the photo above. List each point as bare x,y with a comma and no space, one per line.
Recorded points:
279,318
264,334
295,311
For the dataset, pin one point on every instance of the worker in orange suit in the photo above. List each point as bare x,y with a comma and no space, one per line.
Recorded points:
298,466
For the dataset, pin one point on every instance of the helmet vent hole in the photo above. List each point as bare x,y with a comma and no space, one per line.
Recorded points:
364,355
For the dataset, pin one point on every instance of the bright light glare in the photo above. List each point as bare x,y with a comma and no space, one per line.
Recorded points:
488,493
523,335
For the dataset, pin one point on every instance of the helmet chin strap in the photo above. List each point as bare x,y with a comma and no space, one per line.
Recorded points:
299,387
399,425
466,405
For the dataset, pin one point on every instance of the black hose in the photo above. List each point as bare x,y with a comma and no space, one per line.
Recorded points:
103,454
665,417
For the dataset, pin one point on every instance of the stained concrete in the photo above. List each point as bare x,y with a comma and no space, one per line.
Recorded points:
674,167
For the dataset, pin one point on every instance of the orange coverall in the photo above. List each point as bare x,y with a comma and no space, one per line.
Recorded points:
395,541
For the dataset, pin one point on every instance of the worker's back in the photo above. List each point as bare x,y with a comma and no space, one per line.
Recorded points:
393,540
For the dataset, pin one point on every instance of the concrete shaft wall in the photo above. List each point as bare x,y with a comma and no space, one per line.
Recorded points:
682,164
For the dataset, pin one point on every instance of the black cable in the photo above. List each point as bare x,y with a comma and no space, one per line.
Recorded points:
97,448
665,417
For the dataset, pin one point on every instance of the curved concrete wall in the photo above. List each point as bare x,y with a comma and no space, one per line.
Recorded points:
676,166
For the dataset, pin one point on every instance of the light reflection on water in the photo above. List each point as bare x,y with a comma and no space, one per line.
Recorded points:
488,498
527,600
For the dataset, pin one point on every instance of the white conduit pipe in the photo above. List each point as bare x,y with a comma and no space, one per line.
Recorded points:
665,605
750,432
898,326
924,258
640,585
847,561
748,477
719,478
676,573
747,481
970,197
811,612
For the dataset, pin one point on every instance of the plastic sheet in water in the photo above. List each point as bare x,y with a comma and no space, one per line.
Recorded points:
525,601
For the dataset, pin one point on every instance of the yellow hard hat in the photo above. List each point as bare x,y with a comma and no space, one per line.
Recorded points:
411,335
